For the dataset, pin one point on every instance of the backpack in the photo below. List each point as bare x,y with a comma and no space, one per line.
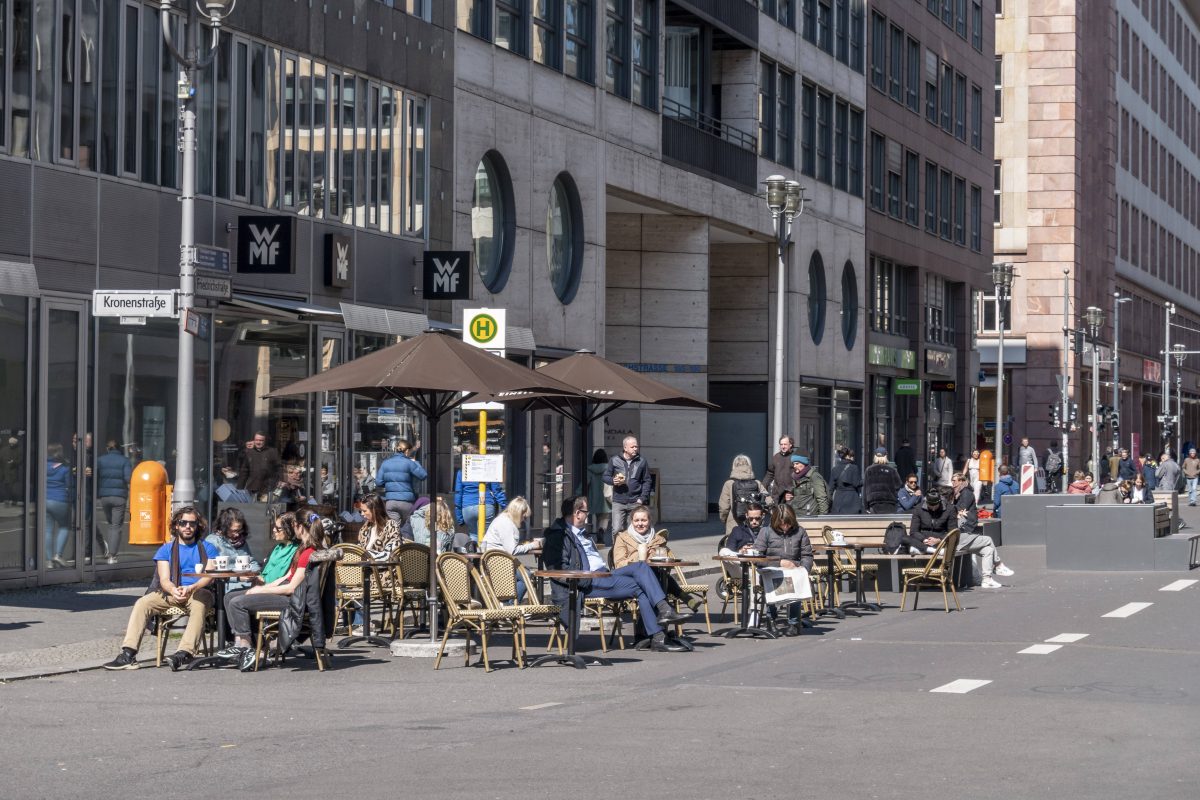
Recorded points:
1053,462
892,538
745,492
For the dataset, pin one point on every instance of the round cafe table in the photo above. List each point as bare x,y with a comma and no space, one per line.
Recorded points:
378,641
572,579
745,630
220,580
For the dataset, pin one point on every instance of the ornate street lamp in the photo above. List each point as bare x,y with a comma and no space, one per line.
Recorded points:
785,200
1002,280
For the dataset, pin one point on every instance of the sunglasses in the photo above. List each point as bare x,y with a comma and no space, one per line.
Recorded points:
188,523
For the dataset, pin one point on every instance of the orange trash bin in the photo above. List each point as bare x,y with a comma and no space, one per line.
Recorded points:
148,504
987,466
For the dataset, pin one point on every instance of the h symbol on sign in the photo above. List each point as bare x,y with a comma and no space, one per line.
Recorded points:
483,328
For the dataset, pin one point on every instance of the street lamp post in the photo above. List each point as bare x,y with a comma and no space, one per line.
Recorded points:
1116,368
1094,317
1180,352
190,59
1165,417
1002,279
785,199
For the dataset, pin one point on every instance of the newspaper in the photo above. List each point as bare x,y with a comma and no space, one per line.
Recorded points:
785,585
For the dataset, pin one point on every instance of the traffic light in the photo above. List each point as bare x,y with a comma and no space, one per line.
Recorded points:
1114,420
1055,422
1074,412
1100,417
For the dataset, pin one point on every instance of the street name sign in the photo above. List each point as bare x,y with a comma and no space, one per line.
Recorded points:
153,303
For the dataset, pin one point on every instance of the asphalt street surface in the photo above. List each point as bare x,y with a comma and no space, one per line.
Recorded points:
847,711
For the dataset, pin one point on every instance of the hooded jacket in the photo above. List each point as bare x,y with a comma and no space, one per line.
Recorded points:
881,482
927,523
810,494
740,475
1005,486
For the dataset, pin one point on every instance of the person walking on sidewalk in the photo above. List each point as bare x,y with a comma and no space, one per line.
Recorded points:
185,553
1191,471
113,473
629,475
1027,456
1168,473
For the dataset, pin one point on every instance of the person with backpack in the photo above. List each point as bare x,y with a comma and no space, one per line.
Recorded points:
881,482
1054,469
175,585
739,492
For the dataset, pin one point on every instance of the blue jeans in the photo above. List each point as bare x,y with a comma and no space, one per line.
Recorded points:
58,520
633,580
471,518
1191,490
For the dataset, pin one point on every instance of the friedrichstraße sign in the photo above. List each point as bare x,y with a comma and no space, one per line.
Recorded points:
152,303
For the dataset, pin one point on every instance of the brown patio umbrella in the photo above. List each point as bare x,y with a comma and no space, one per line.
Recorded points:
430,372
601,387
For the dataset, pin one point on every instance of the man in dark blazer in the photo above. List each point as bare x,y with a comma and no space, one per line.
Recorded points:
568,547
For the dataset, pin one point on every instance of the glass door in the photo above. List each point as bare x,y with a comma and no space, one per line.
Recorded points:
330,461
64,445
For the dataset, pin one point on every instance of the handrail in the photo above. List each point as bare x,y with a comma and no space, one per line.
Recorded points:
708,124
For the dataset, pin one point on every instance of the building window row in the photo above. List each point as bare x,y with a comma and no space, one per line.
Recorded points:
274,129
1156,85
1174,32
941,312
951,212
783,11
831,139
836,26
964,17
558,34
890,288
776,113
1155,249
1148,161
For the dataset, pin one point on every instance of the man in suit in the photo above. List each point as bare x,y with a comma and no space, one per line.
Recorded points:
567,546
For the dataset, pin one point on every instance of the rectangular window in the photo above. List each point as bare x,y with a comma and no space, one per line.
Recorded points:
856,152
510,25
945,205
824,137
894,182
999,104
258,116
878,50
948,13
946,100
996,218
130,96
896,63
414,166
289,134
223,116
960,211
616,60
808,24
546,48
977,25
274,127
912,187
577,25
960,18
808,129
785,119
841,15
362,150
878,168
110,83
912,76
64,74
841,144
931,102
960,106
787,14
931,204
766,109
474,17
976,117
825,25
151,50
320,100
644,53
857,25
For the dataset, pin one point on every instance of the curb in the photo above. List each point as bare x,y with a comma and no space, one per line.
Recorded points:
65,669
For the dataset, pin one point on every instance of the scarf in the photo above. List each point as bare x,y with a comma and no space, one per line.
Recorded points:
642,539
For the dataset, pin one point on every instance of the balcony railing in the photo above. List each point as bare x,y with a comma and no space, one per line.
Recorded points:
736,17
709,147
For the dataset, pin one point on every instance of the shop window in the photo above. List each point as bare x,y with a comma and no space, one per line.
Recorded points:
14,432
493,226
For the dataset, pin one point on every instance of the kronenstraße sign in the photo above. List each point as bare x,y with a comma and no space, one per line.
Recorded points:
151,303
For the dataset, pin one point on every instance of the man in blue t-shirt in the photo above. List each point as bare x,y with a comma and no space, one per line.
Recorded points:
185,553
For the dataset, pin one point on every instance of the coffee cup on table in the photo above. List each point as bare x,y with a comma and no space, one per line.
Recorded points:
242,564
220,563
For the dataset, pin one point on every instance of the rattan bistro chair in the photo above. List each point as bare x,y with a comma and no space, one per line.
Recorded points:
844,564
268,623
500,571
349,579
938,571
729,587
700,589
412,583
602,605
162,623
454,574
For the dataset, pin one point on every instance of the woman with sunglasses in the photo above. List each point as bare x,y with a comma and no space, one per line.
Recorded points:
229,538
284,571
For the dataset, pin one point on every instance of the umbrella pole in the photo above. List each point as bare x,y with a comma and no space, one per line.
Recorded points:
431,600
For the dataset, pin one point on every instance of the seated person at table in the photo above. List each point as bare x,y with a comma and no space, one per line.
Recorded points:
229,537
568,547
743,536
929,525
379,534
284,571
638,542
505,534
970,541
788,542
184,553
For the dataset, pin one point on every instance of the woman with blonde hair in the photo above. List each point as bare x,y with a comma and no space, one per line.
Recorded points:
505,531
638,542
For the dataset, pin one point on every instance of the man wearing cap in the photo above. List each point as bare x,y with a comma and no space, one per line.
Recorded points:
881,483
809,493
930,523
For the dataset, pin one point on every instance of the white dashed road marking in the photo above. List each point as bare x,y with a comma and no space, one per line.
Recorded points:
1067,638
961,686
539,706
1128,610
1177,586
1041,649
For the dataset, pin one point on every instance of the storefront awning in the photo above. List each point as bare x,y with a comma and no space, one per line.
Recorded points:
296,309
387,321
18,278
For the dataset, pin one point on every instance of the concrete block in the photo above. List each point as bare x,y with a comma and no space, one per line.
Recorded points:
1100,537
423,648
1025,515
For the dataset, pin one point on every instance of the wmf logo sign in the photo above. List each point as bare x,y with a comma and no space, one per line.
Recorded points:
447,275
339,257
265,244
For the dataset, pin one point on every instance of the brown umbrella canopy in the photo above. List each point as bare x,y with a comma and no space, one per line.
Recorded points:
608,386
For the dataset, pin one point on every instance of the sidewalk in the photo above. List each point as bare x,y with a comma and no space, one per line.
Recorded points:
59,629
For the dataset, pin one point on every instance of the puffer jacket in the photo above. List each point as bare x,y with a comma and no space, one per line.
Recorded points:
397,475
794,547
1005,486
113,473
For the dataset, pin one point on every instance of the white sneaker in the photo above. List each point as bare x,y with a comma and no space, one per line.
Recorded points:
914,551
1003,571
990,583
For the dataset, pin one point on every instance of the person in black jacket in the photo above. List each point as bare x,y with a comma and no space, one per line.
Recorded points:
906,459
846,484
930,523
881,483
629,475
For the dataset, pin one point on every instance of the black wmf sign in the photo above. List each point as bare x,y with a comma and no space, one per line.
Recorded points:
265,244
339,257
447,275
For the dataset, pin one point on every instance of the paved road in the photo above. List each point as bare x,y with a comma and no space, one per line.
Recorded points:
848,709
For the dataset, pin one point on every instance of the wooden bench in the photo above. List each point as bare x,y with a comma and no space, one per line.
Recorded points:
867,529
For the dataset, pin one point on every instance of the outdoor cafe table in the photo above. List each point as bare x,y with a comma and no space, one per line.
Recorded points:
745,630
662,568
378,641
572,579
219,585
860,596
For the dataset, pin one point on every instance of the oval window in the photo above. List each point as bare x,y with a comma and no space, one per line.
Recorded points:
564,237
493,227
849,305
816,298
